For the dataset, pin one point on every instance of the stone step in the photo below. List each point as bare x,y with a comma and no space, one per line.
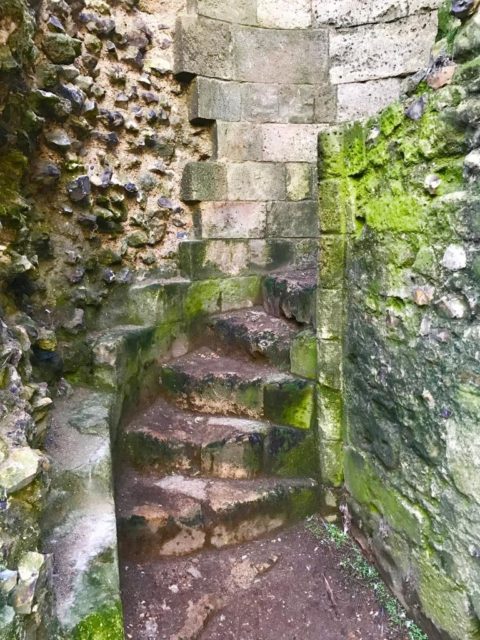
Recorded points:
169,439
214,383
257,333
177,515
228,258
291,295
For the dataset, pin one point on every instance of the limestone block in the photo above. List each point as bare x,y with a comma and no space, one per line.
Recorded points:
232,219
296,103
423,5
202,259
300,181
336,206
239,11
330,313
303,355
330,363
284,14
306,63
332,260
260,102
20,468
212,99
204,181
330,414
364,99
203,47
325,103
292,219
382,50
290,142
256,181
348,13
238,142
331,462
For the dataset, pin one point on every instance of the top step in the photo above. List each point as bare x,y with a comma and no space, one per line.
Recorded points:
291,295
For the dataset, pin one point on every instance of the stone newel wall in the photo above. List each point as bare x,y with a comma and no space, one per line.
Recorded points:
400,211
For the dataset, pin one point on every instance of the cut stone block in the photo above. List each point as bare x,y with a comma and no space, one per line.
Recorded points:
382,50
231,220
260,102
204,181
291,295
257,333
203,47
185,514
290,142
360,100
238,142
202,259
301,181
303,355
292,219
212,99
166,439
330,363
349,13
238,11
285,14
256,181
223,294
212,383
306,64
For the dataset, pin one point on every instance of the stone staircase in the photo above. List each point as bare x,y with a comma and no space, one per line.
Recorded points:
226,452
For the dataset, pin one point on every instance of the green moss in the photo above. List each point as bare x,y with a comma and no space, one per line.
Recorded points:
299,461
391,118
303,355
303,504
106,624
12,168
395,212
290,403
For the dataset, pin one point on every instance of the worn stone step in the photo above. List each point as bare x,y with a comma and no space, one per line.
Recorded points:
257,333
169,439
291,295
211,382
177,515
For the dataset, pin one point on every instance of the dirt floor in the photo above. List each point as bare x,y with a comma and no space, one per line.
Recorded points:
287,586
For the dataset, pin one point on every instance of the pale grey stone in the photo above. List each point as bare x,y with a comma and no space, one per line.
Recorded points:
256,181
212,99
239,11
347,13
238,141
290,142
285,14
360,100
382,50
260,102
20,468
306,63
233,219
203,181
203,47
454,258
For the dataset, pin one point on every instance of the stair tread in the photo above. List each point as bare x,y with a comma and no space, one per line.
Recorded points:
207,363
147,495
256,322
170,423
300,278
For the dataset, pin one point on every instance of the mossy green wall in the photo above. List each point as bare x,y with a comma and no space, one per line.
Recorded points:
404,198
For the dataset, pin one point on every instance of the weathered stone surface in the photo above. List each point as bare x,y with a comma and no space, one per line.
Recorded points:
212,99
20,468
204,181
307,66
284,14
232,220
204,47
238,142
300,179
359,100
238,11
289,142
292,220
390,49
256,181
348,13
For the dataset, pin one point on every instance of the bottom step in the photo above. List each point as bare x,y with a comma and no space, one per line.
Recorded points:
177,515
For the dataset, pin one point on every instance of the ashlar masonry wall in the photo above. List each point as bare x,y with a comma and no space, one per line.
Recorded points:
271,75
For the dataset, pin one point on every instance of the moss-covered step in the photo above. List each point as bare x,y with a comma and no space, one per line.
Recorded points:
169,439
211,382
291,295
177,515
220,258
256,332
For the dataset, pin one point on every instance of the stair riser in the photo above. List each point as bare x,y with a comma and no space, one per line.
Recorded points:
280,302
240,458
140,538
274,350
288,403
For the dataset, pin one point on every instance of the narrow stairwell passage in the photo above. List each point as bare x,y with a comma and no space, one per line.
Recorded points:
214,480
